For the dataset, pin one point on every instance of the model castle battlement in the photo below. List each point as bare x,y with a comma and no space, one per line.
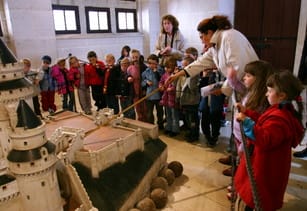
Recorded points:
67,141
11,71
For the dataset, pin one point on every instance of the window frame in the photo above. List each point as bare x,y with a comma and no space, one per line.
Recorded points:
97,9
77,18
117,11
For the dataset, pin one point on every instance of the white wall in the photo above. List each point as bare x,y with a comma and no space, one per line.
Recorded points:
30,28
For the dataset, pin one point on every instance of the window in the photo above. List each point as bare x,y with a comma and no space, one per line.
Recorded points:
97,20
66,19
126,20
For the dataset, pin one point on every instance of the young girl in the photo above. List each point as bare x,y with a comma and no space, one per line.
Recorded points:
168,99
254,101
65,84
277,130
135,71
125,53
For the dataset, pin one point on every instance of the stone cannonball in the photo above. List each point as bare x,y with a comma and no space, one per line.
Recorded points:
176,167
146,204
159,196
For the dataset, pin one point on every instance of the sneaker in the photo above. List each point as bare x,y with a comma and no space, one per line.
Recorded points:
226,160
301,154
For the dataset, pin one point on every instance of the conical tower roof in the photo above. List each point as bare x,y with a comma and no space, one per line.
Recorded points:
6,56
26,116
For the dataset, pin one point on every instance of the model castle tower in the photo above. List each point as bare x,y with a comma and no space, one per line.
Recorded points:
32,161
28,177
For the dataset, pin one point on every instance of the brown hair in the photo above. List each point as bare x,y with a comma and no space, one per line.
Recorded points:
91,54
285,82
171,62
153,57
189,59
171,19
125,48
261,70
217,22
193,51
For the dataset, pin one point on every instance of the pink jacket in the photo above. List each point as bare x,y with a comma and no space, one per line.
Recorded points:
134,71
59,75
169,94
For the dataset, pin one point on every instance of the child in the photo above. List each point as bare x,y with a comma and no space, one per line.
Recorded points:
125,53
277,130
110,85
34,77
82,84
169,99
135,71
188,95
211,108
47,86
254,101
94,71
65,84
125,89
150,80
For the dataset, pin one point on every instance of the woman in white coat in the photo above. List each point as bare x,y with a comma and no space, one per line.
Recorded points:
226,46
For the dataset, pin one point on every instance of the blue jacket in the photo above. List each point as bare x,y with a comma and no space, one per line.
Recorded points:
150,75
47,82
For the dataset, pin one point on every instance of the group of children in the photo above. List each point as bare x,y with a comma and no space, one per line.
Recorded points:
119,85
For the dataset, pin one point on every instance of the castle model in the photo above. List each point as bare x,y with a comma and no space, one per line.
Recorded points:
36,157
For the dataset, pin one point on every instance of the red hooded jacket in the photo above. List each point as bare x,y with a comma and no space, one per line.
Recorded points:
276,132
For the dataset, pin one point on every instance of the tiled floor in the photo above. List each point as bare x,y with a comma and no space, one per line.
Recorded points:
202,186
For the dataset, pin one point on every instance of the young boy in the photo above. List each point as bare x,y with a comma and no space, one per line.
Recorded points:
150,80
95,73
47,86
34,77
